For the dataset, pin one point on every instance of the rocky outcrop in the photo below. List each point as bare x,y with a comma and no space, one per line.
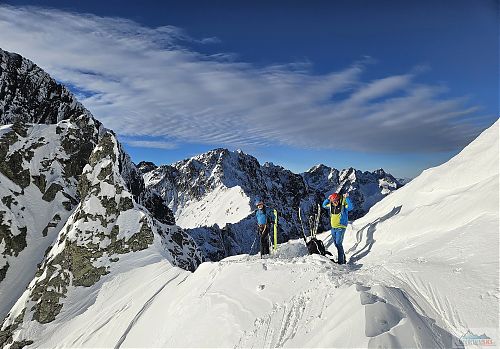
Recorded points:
30,95
107,226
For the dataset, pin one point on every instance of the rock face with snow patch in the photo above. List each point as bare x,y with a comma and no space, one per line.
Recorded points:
107,226
40,166
46,141
212,195
28,94
146,166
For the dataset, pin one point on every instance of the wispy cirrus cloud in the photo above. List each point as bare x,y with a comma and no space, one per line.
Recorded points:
143,81
149,144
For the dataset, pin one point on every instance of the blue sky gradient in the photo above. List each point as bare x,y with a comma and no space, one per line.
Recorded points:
445,50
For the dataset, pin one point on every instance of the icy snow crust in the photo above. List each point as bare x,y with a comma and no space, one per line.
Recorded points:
422,272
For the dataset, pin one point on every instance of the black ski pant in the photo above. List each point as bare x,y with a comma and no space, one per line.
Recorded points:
264,239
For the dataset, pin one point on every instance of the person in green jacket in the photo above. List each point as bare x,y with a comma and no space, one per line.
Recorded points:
339,208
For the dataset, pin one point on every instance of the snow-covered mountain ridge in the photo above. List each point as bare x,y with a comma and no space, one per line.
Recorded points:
213,194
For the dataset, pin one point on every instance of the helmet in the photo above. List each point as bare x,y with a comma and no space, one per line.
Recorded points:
258,201
333,197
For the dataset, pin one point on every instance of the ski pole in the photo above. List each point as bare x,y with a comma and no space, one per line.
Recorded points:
270,242
251,248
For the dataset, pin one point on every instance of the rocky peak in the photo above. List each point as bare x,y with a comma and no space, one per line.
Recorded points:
30,95
380,172
321,176
146,166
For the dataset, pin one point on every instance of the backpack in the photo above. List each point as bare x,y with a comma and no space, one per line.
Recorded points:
315,246
339,208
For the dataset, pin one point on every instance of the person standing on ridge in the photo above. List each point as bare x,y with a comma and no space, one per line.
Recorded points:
265,217
339,208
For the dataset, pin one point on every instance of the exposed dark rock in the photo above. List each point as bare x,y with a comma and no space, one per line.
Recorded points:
146,166
29,95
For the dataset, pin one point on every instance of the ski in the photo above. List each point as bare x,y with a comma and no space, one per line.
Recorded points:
253,243
275,230
270,243
317,220
302,225
311,226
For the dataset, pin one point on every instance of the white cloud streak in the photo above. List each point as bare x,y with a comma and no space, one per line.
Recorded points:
141,81
150,144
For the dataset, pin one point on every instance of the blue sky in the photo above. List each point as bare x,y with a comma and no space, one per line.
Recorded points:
402,85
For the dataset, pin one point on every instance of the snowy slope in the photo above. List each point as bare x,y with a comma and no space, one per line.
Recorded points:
291,301
423,273
438,237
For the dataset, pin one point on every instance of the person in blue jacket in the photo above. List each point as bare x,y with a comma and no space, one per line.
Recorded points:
339,208
265,217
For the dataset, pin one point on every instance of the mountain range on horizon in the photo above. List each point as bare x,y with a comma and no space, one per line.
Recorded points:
212,196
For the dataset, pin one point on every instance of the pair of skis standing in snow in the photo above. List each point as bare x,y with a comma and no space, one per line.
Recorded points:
339,206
